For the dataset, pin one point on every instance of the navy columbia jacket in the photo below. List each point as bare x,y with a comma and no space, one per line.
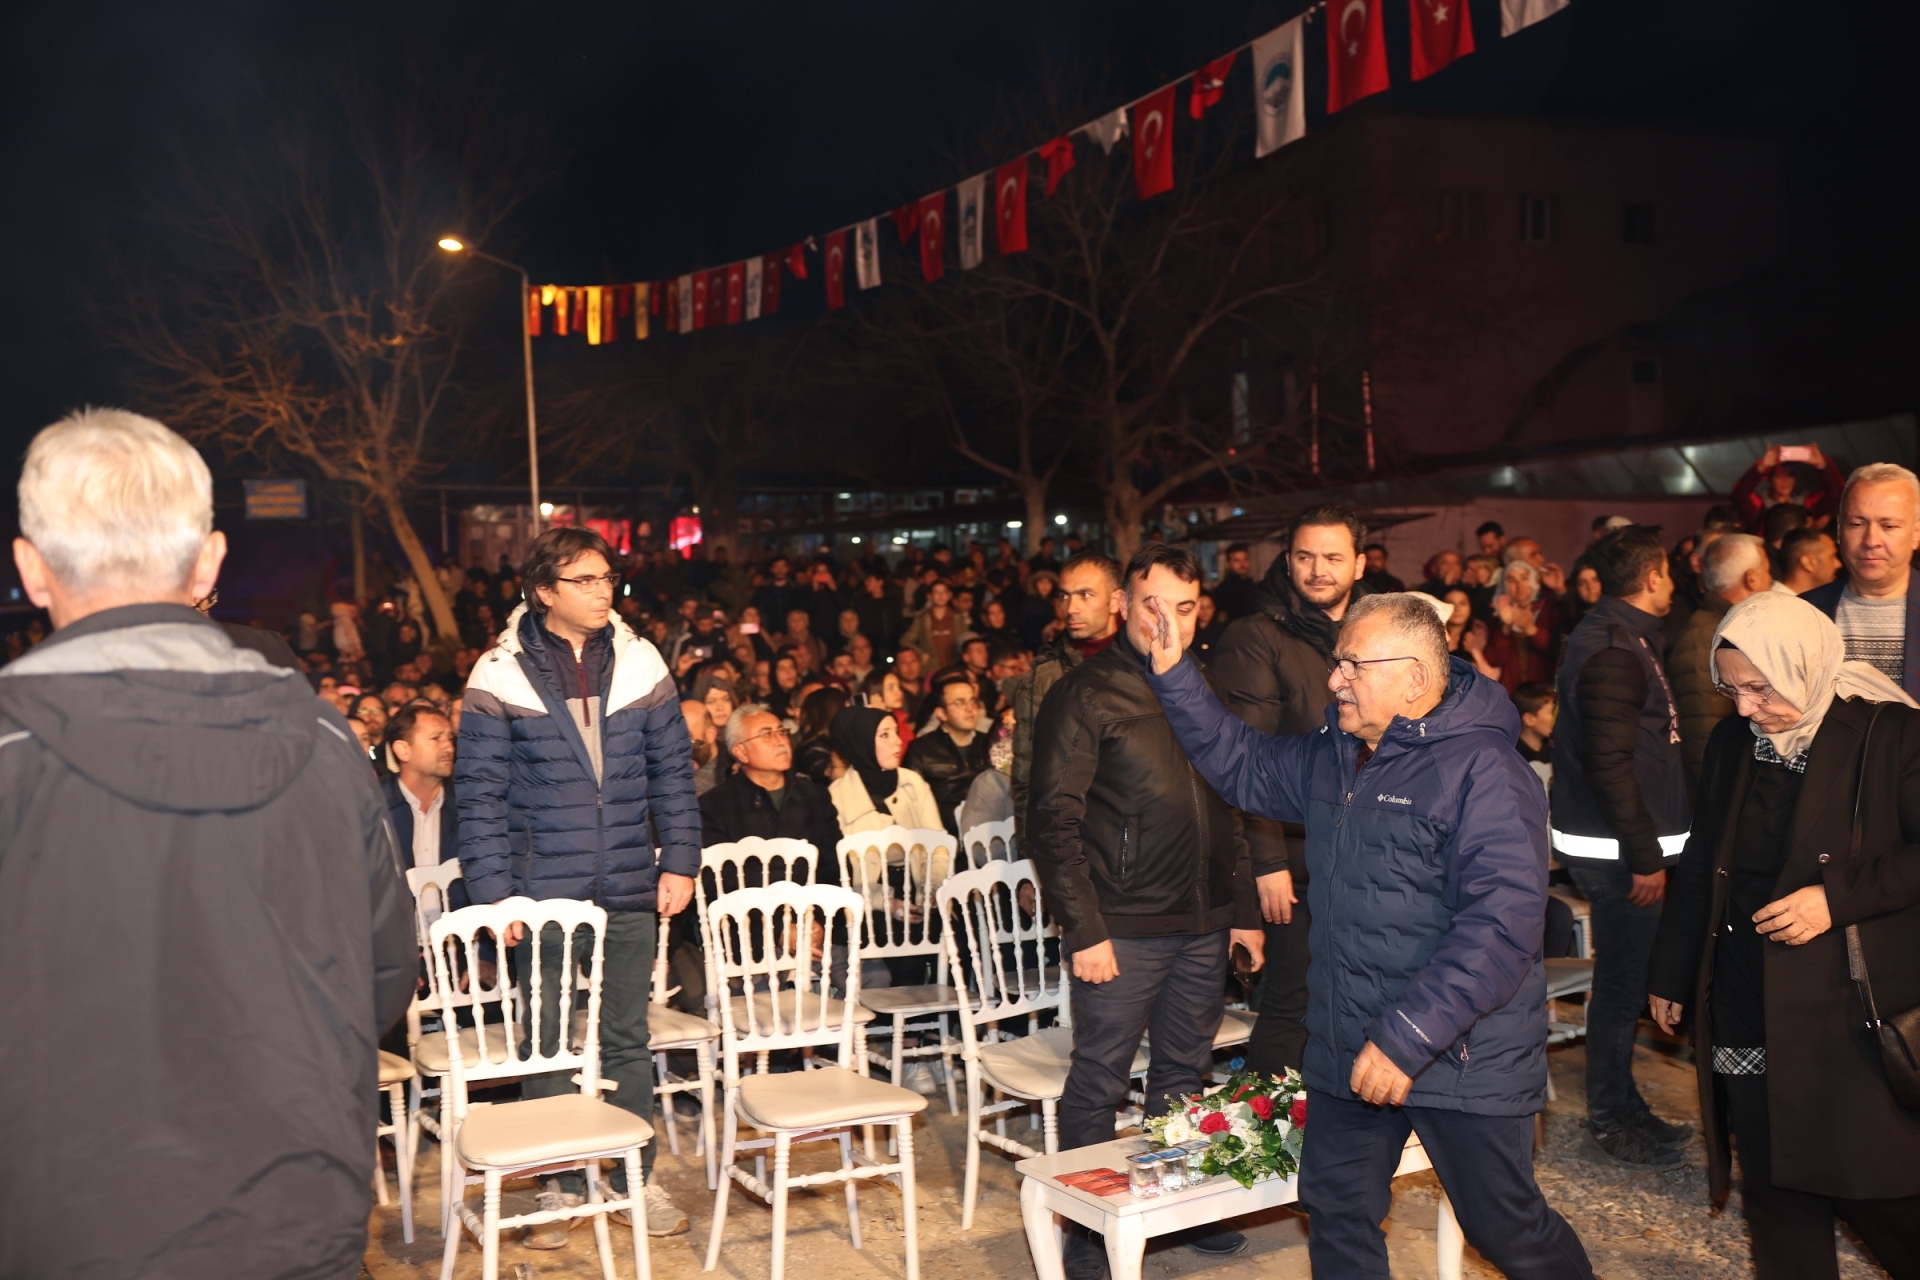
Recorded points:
534,817
1427,880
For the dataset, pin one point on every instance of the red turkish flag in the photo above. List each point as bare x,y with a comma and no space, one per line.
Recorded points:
1442,31
836,260
770,284
736,292
623,299
533,311
797,262
672,289
931,213
1153,143
1059,157
906,220
1209,82
654,290
1010,206
1356,52
700,299
579,310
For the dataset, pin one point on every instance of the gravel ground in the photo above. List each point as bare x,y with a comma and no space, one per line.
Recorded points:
1634,1224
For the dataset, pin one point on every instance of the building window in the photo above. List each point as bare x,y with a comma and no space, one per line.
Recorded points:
1636,223
1459,216
1542,219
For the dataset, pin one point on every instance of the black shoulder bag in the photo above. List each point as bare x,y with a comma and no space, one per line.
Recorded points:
1899,1035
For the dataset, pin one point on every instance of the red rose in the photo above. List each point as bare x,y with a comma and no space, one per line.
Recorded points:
1214,1122
1298,1114
1262,1106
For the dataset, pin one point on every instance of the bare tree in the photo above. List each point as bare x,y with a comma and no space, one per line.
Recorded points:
305,314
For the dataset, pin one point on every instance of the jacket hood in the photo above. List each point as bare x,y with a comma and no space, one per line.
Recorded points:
1473,704
1281,601
155,704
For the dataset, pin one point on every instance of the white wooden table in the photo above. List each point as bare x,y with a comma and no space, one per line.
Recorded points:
1127,1223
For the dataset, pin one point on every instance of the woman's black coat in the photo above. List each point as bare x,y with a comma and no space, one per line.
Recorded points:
1837,1130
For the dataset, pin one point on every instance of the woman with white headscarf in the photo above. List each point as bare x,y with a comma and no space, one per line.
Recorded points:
1753,939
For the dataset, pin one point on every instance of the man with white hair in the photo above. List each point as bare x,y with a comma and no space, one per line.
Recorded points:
1879,529
1733,567
201,913
1427,842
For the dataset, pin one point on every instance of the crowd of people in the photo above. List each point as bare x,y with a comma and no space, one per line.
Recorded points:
1714,745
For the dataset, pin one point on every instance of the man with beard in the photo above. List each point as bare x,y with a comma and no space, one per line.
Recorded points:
1271,669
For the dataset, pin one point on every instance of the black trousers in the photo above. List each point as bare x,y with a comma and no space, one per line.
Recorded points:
1485,1164
1175,987
1623,937
1792,1231
1280,1033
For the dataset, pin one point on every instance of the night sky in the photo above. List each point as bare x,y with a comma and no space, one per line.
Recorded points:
697,133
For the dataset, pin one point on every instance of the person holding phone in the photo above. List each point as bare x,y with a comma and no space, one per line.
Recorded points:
1798,475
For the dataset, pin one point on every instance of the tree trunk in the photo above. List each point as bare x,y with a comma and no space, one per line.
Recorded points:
720,519
1034,490
1125,511
422,566
356,527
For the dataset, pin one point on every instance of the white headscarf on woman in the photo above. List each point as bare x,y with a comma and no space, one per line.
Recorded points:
1800,652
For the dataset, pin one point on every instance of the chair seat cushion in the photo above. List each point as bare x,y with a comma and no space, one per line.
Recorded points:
430,1055
910,1000
1035,1066
394,1068
1568,976
511,1135
822,1099
666,1027
810,1014
1236,1027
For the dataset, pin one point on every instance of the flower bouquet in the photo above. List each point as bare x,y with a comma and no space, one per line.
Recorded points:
1254,1126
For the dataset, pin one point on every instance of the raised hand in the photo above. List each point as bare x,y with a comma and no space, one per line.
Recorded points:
1163,647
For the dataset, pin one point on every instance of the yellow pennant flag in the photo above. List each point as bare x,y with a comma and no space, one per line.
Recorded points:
642,298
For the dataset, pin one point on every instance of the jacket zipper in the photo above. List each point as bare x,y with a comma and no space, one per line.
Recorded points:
599,797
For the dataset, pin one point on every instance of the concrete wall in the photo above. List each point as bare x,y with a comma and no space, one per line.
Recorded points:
1562,528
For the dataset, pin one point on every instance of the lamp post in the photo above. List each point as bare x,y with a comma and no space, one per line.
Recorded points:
453,244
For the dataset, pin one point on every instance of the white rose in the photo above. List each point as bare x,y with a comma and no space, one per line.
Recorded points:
1178,1131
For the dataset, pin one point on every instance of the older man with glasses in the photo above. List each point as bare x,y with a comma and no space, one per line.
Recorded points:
573,759
1426,836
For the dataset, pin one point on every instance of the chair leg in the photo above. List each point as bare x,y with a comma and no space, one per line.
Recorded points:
897,1065
642,1264
704,1056
490,1230
853,1193
602,1238
972,1192
402,1157
904,1134
450,1194
782,1158
1050,1124
452,1233
379,1172
665,1099
946,1067
729,1134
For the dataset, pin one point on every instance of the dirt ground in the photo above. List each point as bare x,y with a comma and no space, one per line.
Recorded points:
1634,1224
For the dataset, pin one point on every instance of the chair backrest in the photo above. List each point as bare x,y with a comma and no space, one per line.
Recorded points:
896,871
761,942
742,864
456,939
1003,959
988,842
431,887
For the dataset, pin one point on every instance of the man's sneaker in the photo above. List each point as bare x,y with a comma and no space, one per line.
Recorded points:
552,1235
1667,1133
1633,1146
919,1078
663,1216
1216,1243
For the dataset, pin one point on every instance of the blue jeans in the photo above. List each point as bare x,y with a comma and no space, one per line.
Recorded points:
1622,952
1485,1164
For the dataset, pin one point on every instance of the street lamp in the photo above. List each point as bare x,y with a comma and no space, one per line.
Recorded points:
453,244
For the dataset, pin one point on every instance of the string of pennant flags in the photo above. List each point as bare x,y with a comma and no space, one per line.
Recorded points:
1442,33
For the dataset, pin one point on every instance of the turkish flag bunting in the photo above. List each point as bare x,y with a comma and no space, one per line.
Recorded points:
797,262
579,310
623,299
533,311
672,290
1356,52
770,282
836,262
931,213
654,292
1059,157
736,292
906,220
1153,143
1442,31
1209,82
700,299
1010,206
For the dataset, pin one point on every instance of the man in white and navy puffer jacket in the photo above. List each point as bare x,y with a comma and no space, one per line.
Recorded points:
573,763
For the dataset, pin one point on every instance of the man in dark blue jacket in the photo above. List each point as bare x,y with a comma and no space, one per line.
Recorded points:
573,756
1427,843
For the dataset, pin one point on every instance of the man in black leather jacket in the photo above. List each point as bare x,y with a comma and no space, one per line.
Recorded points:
1144,870
1271,671
950,757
